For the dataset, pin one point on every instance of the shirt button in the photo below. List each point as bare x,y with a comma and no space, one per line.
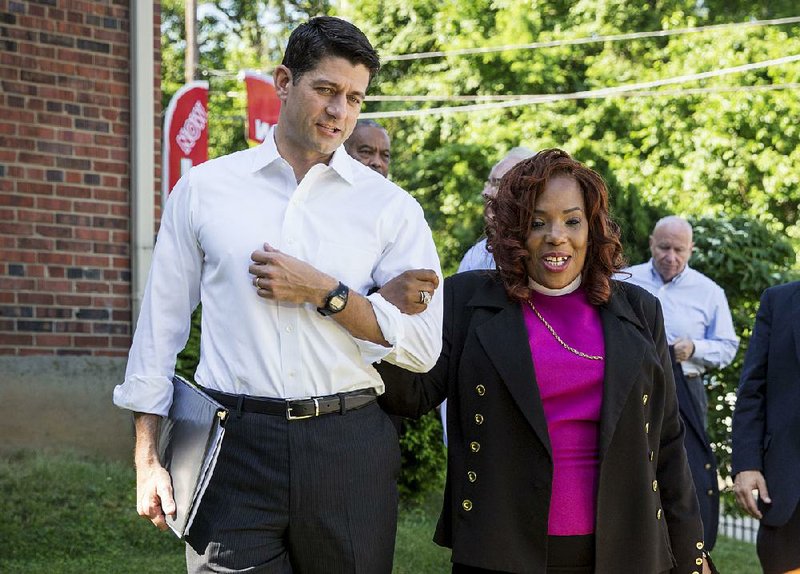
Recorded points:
699,545
710,492
288,328
647,428
652,455
658,514
467,505
471,476
478,419
707,466
475,446
655,485
481,390
699,561
644,399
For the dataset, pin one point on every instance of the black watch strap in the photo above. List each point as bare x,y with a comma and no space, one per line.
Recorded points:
335,301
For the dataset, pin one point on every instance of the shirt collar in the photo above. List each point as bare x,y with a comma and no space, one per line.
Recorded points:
657,276
267,153
574,284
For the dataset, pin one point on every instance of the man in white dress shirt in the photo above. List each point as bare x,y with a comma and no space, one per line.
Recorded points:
281,243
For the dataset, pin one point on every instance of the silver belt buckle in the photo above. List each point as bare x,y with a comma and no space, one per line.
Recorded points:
291,417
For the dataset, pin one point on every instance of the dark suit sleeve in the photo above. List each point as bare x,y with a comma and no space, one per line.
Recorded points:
410,394
681,510
749,414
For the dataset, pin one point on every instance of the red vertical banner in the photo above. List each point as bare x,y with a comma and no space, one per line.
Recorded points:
263,105
185,133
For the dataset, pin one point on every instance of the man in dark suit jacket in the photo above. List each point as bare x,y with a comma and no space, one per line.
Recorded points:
766,429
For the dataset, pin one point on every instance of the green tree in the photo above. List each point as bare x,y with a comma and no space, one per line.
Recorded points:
725,157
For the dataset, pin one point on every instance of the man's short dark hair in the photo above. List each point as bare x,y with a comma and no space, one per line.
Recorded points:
326,36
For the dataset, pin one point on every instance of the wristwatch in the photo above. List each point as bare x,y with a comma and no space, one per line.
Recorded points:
335,301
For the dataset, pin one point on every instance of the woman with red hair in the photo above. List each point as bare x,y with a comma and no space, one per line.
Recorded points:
566,448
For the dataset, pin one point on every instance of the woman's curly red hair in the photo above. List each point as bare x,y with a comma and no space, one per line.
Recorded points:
509,215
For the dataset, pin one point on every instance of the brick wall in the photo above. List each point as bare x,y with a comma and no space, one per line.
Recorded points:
65,176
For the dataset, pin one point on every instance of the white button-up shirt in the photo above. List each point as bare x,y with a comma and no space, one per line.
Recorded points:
343,218
694,307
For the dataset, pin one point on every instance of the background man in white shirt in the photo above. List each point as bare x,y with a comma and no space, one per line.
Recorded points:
369,143
280,243
700,333
478,257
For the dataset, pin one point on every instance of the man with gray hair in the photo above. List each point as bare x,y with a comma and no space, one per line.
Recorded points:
700,334
478,257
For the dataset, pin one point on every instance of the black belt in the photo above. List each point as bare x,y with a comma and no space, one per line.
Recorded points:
294,409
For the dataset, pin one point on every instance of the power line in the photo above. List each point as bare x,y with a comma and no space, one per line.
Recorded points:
224,74
587,40
602,92
632,94
642,93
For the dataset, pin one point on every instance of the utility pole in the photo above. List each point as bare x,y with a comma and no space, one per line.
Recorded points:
192,51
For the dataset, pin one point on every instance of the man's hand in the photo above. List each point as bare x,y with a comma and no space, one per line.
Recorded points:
745,483
154,499
684,348
281,277
404,290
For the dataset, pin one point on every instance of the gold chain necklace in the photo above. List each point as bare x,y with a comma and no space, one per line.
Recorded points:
560,340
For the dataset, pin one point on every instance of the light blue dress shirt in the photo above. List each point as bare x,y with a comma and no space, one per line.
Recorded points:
478,257
694,307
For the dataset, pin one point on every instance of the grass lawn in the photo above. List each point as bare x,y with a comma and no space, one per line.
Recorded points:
65,514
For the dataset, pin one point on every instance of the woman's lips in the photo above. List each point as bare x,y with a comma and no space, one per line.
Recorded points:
555,263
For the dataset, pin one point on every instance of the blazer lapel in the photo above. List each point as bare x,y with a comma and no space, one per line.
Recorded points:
505,340
624,350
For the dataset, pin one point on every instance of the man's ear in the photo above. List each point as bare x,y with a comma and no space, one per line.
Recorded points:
282,76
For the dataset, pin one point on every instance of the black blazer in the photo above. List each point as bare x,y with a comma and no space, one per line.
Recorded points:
500,465
766,421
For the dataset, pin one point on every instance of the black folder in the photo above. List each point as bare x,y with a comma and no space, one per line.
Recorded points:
188,447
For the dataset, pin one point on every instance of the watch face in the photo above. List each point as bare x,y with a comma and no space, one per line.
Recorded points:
337,303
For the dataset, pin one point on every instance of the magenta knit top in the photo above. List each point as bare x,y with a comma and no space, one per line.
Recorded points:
571,388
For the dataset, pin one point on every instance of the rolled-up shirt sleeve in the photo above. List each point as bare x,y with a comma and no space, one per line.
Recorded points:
171,294
416,340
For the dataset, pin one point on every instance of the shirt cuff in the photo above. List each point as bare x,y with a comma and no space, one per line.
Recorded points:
152,395
390,322
702,349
